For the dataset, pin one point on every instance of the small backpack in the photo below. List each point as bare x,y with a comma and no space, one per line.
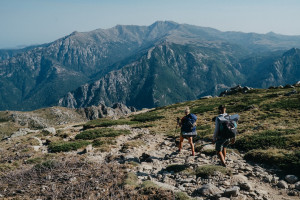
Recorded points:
188,123
227,128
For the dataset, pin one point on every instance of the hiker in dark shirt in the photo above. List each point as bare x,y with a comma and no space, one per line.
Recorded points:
221,143
187,134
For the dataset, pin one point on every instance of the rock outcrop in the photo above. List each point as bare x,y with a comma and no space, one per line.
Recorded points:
116,111
234,90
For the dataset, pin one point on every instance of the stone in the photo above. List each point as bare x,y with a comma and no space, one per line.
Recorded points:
21,132
239,197
209,189
130,157
297,84
239,179
234,191
89,148
146,166
282,184
245,186
267,179
289,86
36,148
206,97
275,179
291,179
297,185
49,131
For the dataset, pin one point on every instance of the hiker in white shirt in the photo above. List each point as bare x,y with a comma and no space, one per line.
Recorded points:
221,143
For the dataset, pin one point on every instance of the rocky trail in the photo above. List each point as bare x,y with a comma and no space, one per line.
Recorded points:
156,159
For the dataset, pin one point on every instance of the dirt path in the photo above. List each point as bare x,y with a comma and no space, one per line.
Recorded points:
156,152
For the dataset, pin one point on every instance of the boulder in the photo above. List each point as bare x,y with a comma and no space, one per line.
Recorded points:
235,90
206,97
209,189
297,84
239,179
282,184
291,179
49,131
21,132
297,185
89,148
245,186
116,111
232,192
289,86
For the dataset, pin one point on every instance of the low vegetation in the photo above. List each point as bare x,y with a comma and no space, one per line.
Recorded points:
176,168
104,122
100,132
67,146
269,119
147,117
285,159
208,170
268,134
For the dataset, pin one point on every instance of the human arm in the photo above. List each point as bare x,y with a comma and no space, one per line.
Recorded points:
216,130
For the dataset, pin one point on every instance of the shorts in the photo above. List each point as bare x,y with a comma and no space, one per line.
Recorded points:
221,143
188,136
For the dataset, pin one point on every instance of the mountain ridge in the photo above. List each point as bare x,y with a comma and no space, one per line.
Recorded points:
85,57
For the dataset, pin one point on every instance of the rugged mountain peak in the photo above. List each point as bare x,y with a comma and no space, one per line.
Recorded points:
292,52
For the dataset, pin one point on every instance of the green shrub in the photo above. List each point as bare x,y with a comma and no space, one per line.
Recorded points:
100,142
102,132
147,117
181,196
48,164
149,184
286,160
263,140
67,146
131,179
34,160
208,170
176,168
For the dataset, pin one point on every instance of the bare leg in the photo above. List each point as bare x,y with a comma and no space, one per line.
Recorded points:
224,153
192,145
180,143
222,158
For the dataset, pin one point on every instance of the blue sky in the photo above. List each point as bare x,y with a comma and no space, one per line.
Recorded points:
27,22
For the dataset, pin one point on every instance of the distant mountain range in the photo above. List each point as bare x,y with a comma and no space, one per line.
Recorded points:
144,66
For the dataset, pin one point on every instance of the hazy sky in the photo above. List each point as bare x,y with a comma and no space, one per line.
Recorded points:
27,22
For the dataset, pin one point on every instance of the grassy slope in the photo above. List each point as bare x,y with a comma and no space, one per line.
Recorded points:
268,127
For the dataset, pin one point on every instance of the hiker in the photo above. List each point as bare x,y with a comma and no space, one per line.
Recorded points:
220,140
188,129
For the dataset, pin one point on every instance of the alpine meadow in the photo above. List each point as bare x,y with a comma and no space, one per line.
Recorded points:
99,115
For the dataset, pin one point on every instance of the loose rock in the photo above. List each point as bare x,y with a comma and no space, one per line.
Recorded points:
291,179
